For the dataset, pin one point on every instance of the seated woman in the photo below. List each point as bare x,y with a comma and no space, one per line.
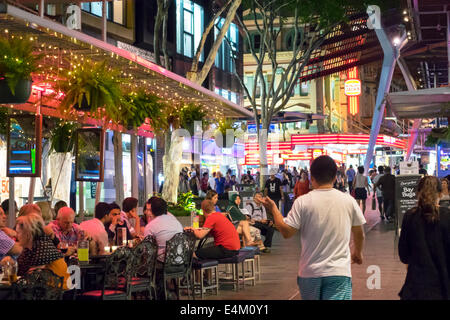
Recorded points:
243,227
39,250
214,197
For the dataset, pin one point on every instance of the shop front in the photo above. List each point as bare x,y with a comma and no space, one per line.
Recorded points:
345,149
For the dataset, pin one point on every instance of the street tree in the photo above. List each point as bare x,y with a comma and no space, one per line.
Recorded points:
312,21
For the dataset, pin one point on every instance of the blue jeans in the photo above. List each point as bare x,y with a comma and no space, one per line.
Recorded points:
325,288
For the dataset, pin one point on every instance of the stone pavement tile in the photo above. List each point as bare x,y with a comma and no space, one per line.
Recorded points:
279,268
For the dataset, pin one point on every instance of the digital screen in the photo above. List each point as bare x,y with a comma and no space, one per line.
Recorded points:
24,156
89,155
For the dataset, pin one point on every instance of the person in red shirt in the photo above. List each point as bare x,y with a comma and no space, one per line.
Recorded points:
302,185
226,238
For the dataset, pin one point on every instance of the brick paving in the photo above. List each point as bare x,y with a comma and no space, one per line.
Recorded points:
279,268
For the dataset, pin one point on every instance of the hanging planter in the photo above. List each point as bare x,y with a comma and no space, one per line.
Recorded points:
438,136
21,95
17,63
94,88
220,135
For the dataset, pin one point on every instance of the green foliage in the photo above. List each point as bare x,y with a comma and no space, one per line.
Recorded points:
438,136
3,121
100,86
224,124
323,12
146,105
17,60
186,201
190,113
63,136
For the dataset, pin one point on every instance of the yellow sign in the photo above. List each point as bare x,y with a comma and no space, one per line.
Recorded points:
352,87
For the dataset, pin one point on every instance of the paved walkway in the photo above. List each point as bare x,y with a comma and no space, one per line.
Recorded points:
279,268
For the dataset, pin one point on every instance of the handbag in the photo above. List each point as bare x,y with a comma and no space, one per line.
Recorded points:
374,203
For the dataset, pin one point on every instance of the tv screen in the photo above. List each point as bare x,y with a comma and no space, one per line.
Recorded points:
24,145
89,154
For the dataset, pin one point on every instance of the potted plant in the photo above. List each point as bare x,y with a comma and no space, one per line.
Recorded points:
94,88
220,134
438,136
17,63
144,105
190,113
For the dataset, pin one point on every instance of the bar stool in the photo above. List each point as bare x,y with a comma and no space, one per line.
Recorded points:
200,266
235,262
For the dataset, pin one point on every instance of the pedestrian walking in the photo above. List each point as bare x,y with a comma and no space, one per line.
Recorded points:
378,192
361,186
424,245
326,218
273,188
350,176
387,183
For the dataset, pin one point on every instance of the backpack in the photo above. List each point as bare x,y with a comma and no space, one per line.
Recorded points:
204,184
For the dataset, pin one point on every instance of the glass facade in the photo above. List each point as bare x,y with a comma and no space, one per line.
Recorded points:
225,58
190,21
115,10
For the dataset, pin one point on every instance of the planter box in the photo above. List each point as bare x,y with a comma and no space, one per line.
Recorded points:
22,92
185,221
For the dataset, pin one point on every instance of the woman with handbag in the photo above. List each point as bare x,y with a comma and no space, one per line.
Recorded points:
240,221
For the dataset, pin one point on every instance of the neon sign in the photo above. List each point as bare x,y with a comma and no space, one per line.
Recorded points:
352,89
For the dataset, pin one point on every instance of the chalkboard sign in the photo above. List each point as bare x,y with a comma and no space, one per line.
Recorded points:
24,145
405,196
89,154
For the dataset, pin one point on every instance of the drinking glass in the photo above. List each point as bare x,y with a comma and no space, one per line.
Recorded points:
63,246
83,251
11,271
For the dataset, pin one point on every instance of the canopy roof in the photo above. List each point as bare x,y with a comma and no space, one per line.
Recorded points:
63,47
420,104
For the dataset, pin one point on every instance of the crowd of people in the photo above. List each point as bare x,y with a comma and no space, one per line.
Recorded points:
323,211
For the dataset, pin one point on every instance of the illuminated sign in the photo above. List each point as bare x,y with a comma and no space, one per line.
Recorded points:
323,139
352,87
317,153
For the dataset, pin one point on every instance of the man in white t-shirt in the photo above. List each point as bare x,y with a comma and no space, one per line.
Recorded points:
326,218
212,181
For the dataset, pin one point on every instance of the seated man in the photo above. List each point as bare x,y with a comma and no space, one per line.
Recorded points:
65,229
130,216
8,247
162,226
96,228
115,223
262,223
60,204
226,238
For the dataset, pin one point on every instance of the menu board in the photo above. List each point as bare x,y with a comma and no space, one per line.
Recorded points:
24,145
405,196
89,154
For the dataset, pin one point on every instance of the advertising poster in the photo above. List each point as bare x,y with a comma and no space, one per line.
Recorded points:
405,196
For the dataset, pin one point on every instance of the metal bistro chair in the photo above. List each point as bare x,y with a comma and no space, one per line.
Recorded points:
39,284
178,261
143,266
116,276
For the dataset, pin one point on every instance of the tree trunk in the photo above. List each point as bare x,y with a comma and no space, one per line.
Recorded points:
61,174
263,163
200,76
134,167
118,169
157,31
171,163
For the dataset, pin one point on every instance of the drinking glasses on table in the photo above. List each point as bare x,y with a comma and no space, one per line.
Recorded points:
63,246
10,270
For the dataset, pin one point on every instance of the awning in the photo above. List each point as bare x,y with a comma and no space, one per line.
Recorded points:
61,44
421,104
